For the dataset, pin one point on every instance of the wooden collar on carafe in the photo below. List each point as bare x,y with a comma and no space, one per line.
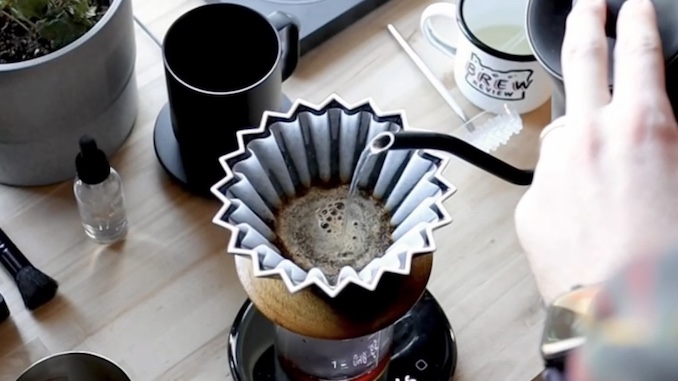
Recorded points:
353,313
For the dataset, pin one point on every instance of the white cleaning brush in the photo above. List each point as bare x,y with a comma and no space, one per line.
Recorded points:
493,130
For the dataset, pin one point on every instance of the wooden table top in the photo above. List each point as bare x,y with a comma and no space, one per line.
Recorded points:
161,303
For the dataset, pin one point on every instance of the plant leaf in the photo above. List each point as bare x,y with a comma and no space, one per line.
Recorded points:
30,9
61,31
79,8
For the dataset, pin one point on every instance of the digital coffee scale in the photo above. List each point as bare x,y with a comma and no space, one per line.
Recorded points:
424,348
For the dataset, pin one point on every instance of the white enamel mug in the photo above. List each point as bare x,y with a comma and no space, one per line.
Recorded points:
493,62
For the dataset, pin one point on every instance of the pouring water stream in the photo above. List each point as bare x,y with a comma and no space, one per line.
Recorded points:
365,155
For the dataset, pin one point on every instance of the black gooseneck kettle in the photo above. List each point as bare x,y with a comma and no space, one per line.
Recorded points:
546,29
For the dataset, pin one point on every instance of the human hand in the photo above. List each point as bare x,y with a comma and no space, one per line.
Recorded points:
606,184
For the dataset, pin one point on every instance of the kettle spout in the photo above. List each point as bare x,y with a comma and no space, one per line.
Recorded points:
412,140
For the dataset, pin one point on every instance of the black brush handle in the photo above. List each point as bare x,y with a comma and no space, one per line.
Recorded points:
4,310
10,256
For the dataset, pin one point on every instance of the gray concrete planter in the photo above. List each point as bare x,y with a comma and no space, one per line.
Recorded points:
47,103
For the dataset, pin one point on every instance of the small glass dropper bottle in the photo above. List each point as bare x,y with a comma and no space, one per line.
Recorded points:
98,190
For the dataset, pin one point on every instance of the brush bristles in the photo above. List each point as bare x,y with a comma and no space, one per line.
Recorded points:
35,287
495,132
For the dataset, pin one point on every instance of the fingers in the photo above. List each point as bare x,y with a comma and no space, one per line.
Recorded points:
639,59
585,58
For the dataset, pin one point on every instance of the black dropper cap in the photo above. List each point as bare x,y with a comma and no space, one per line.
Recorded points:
91,163
4,310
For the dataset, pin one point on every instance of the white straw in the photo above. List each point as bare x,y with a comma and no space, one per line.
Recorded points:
440,88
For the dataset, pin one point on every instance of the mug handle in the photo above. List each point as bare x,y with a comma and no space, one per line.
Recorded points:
285,22
446,10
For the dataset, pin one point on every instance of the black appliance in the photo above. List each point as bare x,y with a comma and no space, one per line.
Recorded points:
319,19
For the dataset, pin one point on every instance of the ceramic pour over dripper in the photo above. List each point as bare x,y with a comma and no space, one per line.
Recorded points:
317,145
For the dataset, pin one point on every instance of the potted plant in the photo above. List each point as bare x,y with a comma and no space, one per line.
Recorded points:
66,69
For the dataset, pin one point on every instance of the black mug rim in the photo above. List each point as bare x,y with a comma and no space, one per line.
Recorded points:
530,32
463,26
229,92
76,353
558,75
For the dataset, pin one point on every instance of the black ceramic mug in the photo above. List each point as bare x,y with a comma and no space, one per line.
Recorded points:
224,67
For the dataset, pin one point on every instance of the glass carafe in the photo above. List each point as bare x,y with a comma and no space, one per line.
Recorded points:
309,359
